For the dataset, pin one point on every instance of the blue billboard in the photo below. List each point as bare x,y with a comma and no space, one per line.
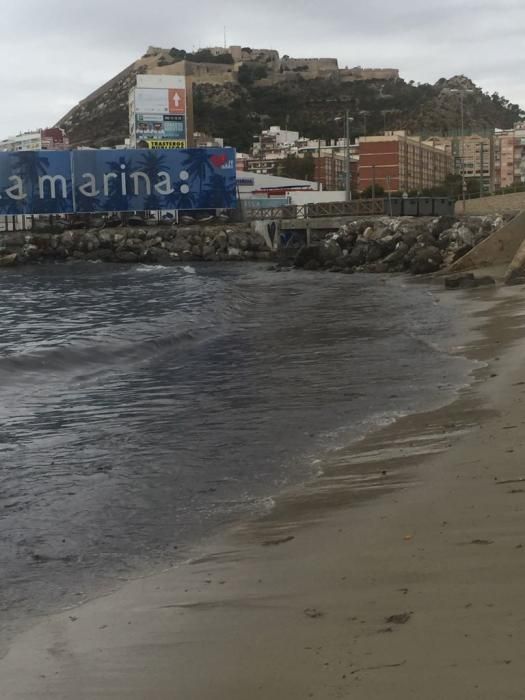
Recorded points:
55,182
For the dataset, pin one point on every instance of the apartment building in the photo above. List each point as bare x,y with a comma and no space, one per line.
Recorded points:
330,171
51,139
472,155
398,162
509,157
275,141
496,161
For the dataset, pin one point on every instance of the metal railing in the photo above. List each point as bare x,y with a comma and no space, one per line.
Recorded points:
357,207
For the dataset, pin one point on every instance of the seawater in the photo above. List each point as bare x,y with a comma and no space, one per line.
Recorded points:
144,407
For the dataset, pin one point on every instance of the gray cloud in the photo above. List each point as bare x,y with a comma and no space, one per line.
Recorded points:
50,64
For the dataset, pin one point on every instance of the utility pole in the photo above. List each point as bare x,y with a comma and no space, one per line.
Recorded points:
481,152
364,113
348,196
348,175
463,182
462,92
319,165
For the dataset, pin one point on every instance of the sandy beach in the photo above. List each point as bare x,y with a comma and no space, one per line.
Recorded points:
396,574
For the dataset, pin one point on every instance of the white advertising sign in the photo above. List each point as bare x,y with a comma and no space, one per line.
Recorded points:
152,100
177,82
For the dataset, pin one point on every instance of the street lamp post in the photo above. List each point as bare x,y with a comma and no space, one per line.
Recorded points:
348,195
348,176
463,181
462,92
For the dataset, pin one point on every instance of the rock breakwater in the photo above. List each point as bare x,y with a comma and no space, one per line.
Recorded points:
418,246
155,245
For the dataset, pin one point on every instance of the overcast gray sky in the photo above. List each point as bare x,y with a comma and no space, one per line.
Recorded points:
53,53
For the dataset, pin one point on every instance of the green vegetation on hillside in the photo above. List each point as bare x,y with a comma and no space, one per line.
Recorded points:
312,106
201,56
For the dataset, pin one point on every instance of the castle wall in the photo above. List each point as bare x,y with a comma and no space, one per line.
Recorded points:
312,66
358,73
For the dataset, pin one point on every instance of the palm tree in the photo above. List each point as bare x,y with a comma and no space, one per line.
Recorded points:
30,166
85,204
116,200
199,166
219,192
151,163
180,200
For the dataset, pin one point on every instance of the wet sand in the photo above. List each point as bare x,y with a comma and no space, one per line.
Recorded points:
397,574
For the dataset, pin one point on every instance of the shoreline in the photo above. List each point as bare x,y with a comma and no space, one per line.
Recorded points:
283,608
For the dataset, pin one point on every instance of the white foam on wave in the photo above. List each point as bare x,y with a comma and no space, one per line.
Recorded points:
267,503
189,269
150,268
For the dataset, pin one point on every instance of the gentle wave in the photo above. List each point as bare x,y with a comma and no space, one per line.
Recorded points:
151,268
141,411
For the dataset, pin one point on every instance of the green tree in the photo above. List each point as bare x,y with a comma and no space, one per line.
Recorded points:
178,54
378,191
251,72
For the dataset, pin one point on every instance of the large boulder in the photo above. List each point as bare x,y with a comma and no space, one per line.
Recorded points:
221,242
375,233
395,261
329,251
468,280
105,238
208,252
425,260
357,256
68,239
8,260
462,281
426,239
99,255
374,251
440,224
157,255
388,242
30,251
12,239
465,235
89,242
120,237
409,236
307,254
126,256
312,264
180,244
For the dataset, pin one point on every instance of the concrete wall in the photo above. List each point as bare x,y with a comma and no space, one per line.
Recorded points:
500,247
493,205
315,197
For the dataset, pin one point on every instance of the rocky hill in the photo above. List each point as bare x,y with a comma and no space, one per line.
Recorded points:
235,99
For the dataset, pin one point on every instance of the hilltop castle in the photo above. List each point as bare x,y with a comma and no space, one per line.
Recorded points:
274,68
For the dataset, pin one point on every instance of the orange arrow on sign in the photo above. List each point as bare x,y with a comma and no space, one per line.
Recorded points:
177,101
